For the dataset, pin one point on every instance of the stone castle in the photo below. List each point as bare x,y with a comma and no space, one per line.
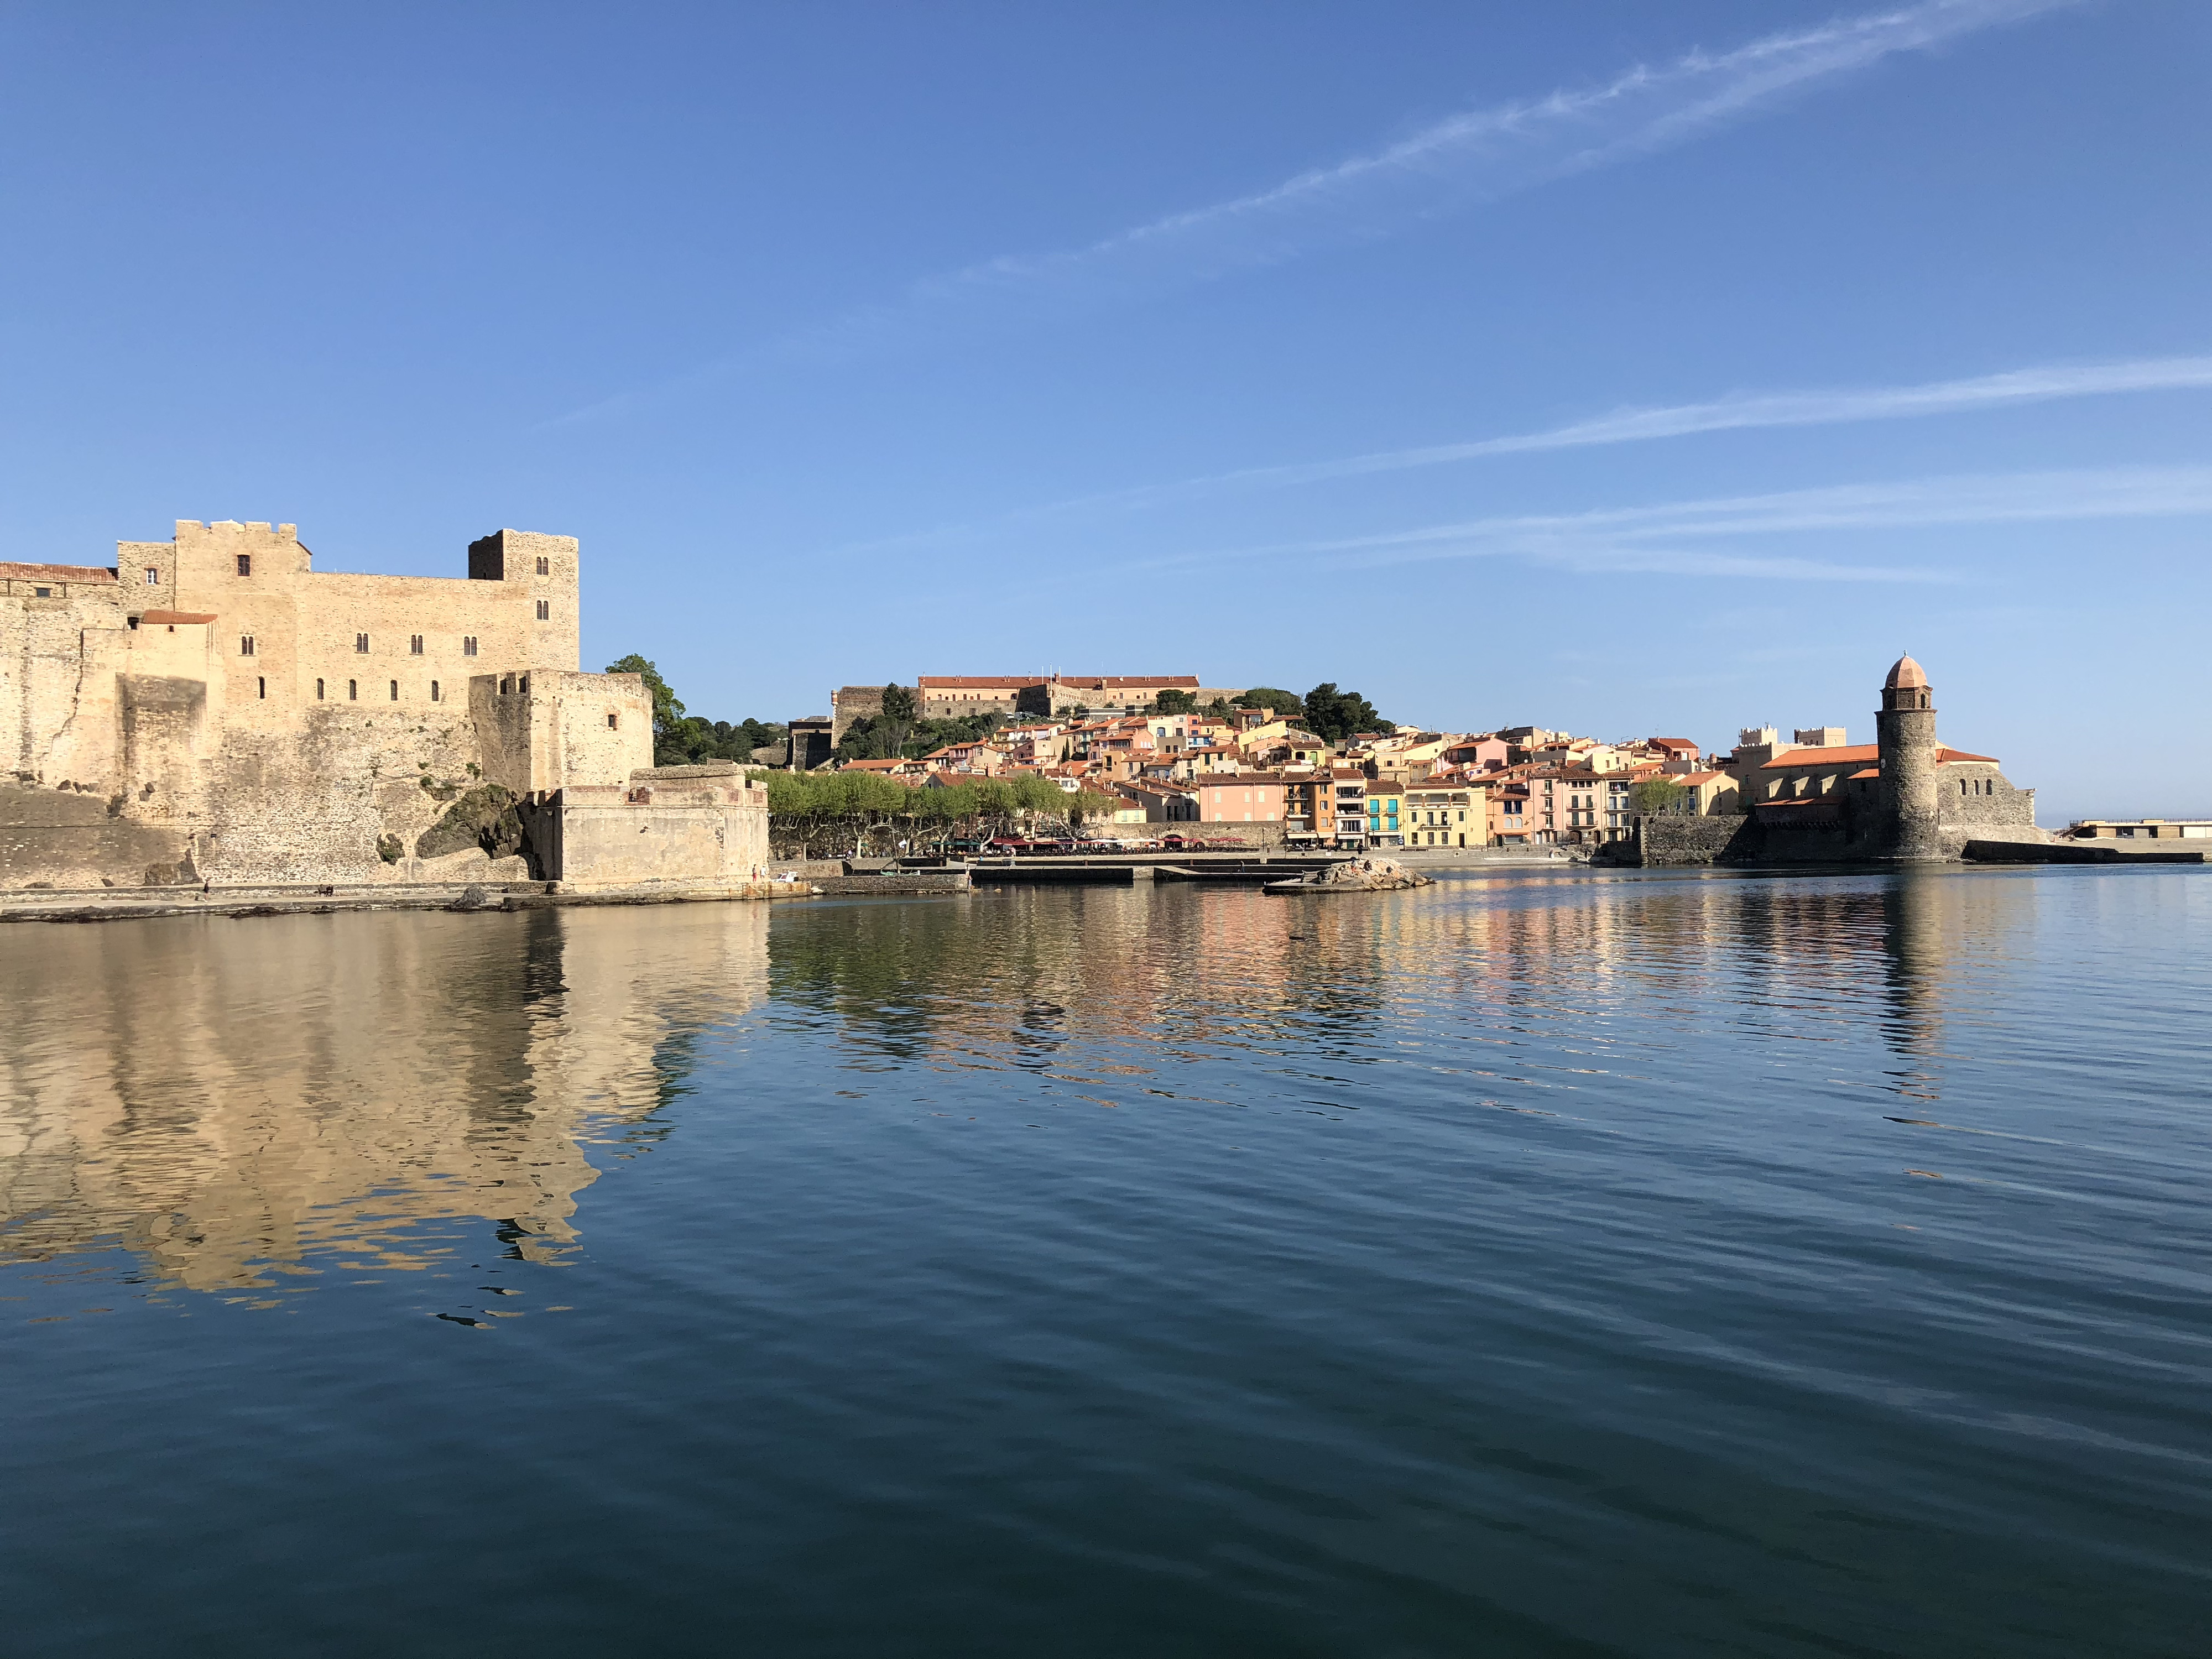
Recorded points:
214,708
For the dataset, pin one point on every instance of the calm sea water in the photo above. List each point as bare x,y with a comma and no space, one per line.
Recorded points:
1666,1264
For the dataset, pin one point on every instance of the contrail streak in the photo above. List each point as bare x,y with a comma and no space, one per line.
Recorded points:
1474,156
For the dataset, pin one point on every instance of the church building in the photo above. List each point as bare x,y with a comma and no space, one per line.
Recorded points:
1905,797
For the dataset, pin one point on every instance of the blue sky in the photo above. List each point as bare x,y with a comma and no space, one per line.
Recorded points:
1623,367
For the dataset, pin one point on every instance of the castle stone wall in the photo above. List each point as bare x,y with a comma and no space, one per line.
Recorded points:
262,720
1663,839
852,702
672,826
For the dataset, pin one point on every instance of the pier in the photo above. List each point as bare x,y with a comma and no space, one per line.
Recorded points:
1130,869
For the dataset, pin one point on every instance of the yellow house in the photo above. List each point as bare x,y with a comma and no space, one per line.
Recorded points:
1710,792
1446,812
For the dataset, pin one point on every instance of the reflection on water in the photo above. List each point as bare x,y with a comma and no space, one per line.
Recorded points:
1658,1262
1178,975
234,1099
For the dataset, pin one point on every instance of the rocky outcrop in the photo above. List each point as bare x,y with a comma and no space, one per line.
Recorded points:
1368,875
484,816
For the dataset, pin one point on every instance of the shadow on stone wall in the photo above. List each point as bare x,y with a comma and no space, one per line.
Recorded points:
65,838
1664,840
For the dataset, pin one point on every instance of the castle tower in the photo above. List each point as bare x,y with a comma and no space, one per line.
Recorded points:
1904,733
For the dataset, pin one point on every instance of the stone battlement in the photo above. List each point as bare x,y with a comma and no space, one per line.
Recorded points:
262,720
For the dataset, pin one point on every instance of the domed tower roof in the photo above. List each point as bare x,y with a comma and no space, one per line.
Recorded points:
1904,675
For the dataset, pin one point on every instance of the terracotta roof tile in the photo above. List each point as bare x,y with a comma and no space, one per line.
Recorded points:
56,573
1833,755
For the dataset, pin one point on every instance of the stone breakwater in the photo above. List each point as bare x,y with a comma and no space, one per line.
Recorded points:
116,904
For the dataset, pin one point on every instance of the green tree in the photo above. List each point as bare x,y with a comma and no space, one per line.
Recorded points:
897,721
1654,796
1335,714
1089,804
1172,701
1286,705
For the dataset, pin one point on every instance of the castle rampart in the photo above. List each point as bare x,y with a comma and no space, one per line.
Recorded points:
252,719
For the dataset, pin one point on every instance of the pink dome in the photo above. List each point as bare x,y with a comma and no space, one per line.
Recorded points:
1905,675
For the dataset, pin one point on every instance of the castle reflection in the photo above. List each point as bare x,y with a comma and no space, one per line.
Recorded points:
234,1100
231,1099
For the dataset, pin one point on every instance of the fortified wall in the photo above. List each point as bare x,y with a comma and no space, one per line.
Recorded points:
214,708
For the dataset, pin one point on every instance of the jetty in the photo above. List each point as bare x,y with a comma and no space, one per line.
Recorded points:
1246,869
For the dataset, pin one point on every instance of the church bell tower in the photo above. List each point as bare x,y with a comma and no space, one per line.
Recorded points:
1904,734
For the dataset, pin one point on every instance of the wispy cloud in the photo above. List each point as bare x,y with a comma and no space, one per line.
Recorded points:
1818,408
1831,406
1473,156
1664,537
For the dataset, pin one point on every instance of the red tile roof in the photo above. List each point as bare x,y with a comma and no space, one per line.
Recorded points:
1859,753
56,573
1832,755
1114,682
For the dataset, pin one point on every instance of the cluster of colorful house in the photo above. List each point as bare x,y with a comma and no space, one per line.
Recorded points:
1106,736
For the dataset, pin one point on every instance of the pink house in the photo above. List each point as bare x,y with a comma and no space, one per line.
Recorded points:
1237,797
1477,753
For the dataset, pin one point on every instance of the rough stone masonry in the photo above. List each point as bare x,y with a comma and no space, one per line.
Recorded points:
214,708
